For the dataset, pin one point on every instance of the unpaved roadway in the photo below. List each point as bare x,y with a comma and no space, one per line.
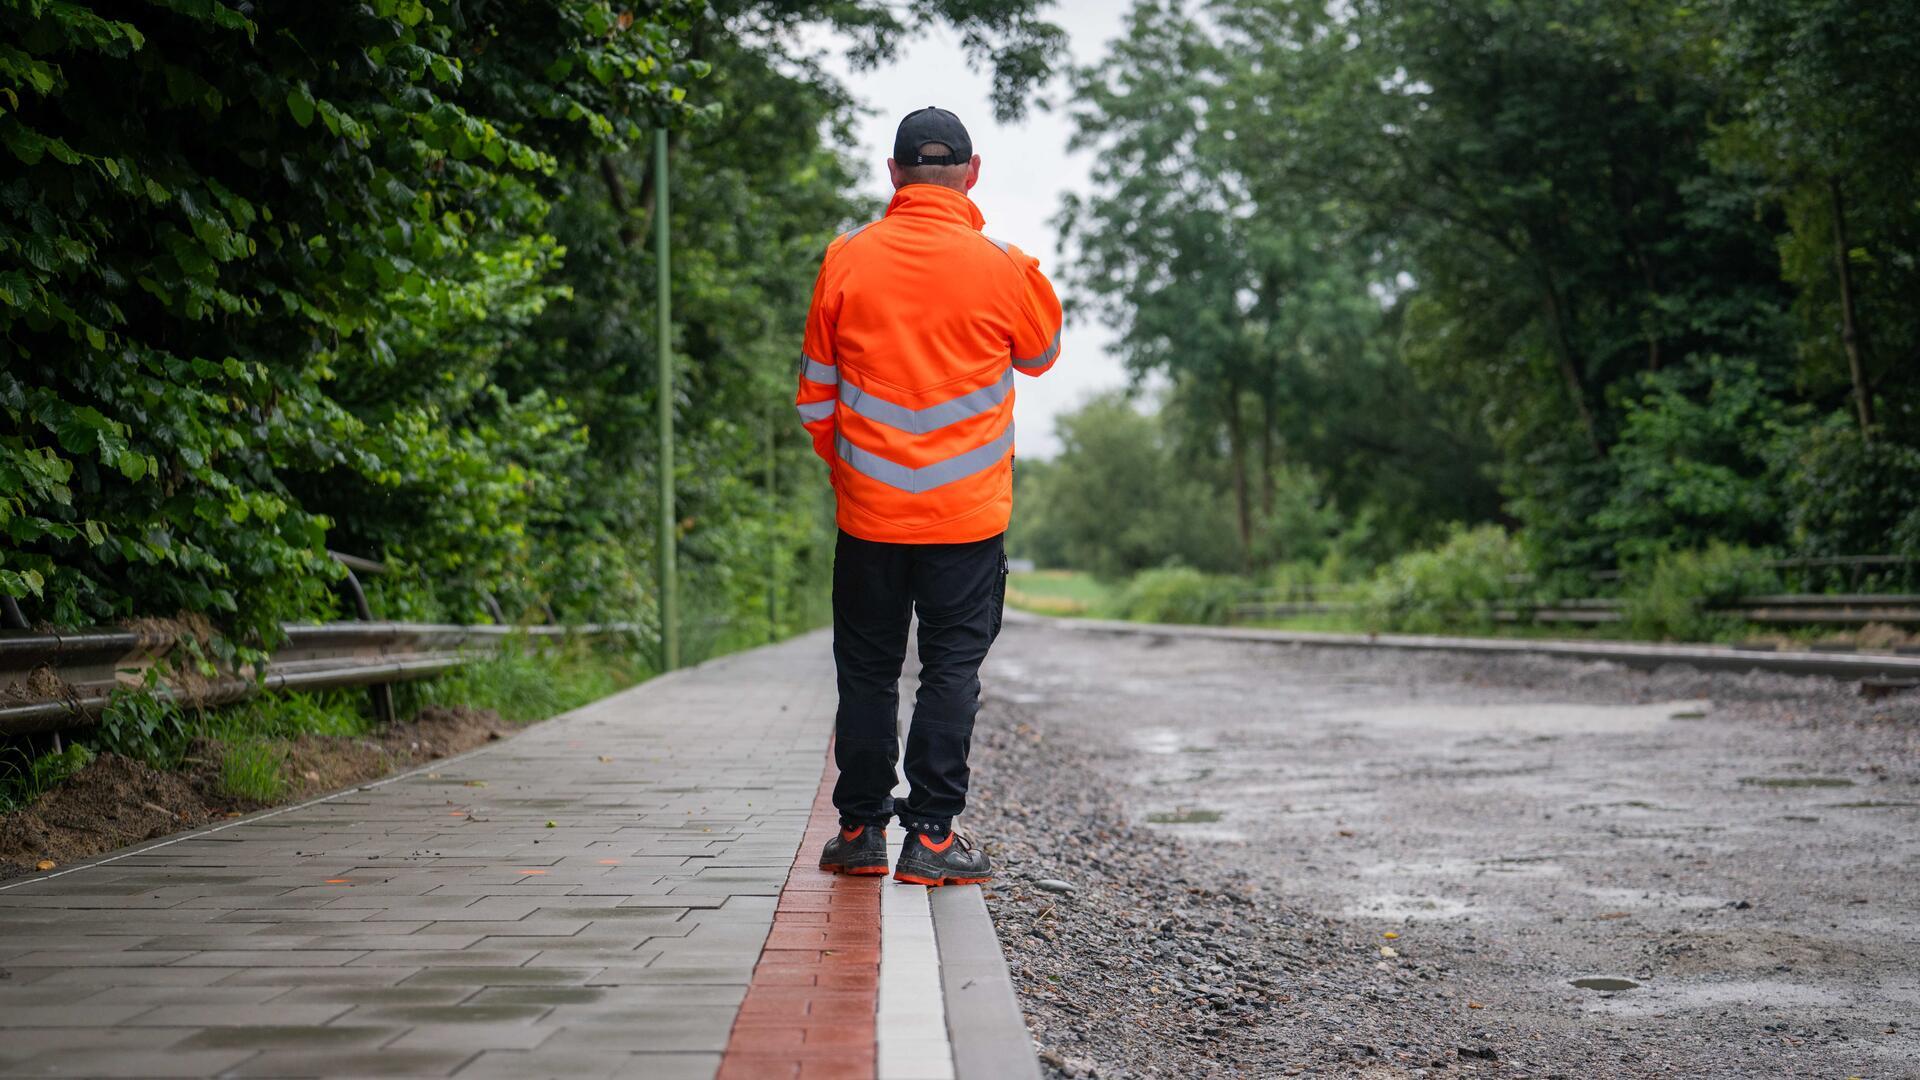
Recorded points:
1245,824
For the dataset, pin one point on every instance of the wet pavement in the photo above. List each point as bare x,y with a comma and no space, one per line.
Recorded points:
1697,874
631,889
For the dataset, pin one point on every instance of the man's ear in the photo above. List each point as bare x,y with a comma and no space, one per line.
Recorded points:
973,172
893,173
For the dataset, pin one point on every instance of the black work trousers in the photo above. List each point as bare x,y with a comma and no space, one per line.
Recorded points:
958,592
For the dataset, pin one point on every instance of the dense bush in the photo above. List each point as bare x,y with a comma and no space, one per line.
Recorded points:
1843,494
1672,595
1452,587
1694,460
377,277
255,257
1178,595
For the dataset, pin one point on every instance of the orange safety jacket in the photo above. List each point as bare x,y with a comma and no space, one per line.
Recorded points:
917,325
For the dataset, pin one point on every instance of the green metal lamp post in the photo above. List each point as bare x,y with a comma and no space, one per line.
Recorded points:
669,588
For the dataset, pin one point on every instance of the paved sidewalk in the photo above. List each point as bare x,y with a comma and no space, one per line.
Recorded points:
589,898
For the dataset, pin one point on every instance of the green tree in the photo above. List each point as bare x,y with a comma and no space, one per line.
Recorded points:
1265,302
1826,115
278,279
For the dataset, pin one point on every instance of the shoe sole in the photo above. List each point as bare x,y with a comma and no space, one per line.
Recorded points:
858,871
934,883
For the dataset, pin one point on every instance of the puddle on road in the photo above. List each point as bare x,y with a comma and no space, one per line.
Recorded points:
1753,997
1524,719
1629,804
1795,781
1404,907
1183,778
1644,899
1184,816
1607,984
1171,741
1459,868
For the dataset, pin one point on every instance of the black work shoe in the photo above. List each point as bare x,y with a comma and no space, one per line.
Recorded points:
951,858
861,849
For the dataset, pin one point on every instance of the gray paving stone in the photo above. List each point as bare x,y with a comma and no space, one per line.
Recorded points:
103,975
172,1061
232,1015
382,1062
466,935
373,995
619,1037
84,1014
479,976
35,994
181,995
292,1036
548,1064
277,957
23,1043
531,926
443,958
431,1036
315,977
446,1015
73,958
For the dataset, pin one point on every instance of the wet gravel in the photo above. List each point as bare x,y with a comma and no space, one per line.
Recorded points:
1288,861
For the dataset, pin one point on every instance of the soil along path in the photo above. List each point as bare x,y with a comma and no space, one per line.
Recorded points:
1232,859
116,801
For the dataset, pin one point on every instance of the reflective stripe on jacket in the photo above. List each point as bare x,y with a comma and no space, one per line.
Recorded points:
917,325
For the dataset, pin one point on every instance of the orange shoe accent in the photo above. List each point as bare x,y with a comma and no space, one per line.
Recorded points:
858,870
941,846
850,835
934,883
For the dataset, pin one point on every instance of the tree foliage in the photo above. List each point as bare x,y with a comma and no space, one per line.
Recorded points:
276,279
1639,266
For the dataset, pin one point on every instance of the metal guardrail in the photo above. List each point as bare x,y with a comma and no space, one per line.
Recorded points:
1812,609
53,681
1896,670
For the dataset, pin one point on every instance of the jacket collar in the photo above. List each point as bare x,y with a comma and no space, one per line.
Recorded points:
937,203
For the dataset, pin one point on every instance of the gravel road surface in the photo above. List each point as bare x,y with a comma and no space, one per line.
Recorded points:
1301,861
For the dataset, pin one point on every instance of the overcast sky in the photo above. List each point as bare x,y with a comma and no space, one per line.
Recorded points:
1025,169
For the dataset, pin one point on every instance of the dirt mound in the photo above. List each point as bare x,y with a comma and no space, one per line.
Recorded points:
117,801
113,802
317,764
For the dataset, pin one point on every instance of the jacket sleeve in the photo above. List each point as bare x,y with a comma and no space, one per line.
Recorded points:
819,372
1036,326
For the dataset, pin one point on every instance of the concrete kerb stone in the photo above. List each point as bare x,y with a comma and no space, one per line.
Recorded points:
988,1031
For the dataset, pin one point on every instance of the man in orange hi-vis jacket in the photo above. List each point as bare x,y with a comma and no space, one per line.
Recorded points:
919,322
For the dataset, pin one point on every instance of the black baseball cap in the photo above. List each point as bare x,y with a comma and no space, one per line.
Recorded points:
932,125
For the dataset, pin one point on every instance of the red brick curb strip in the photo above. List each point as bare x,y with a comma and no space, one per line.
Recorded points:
809,1010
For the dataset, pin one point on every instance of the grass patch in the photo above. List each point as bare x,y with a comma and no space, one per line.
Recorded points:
25,777
527,684
1058,592
252,770
287,716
